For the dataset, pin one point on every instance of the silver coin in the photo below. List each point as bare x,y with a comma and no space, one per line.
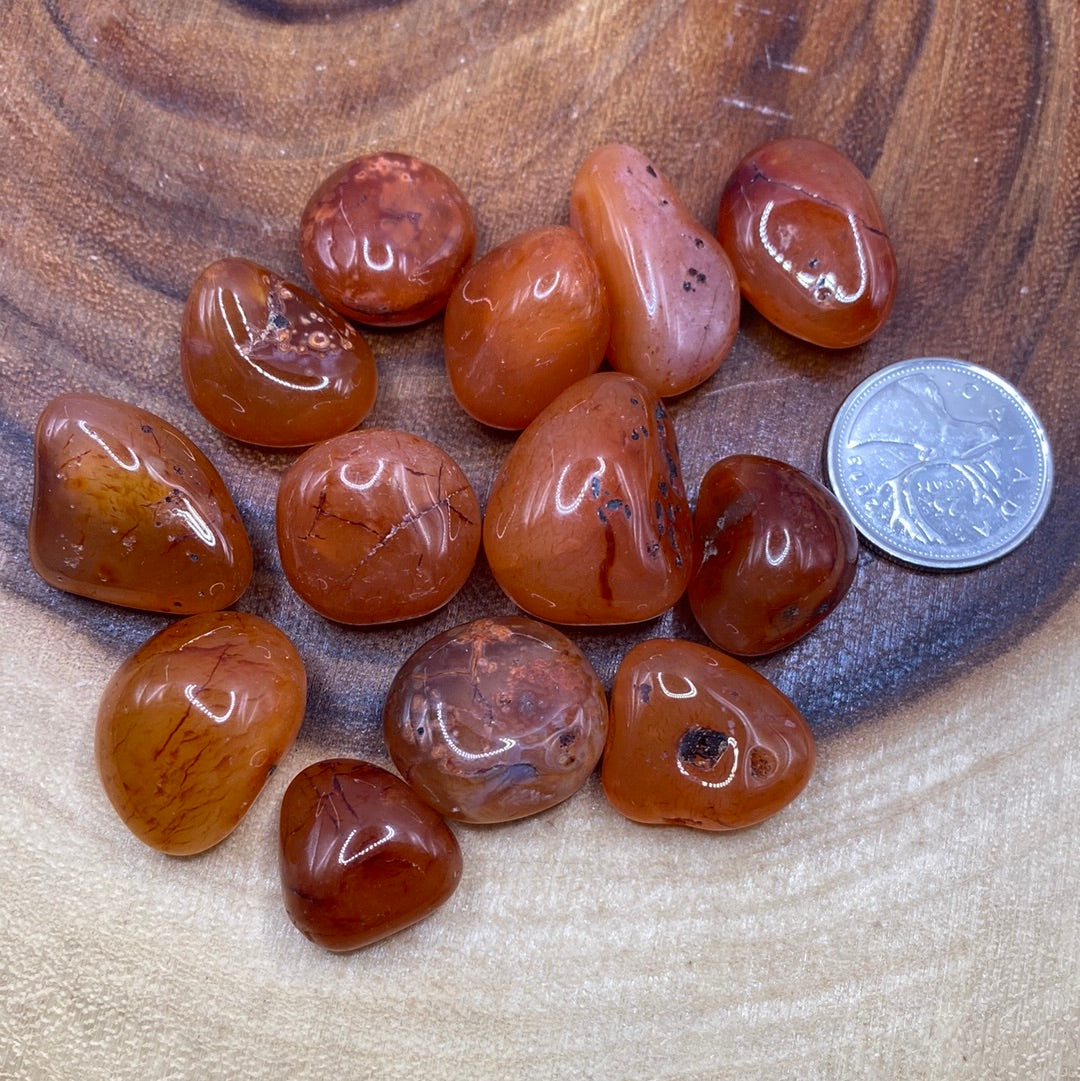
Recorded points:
940,463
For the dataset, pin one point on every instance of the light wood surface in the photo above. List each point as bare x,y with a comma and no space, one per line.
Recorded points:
915,914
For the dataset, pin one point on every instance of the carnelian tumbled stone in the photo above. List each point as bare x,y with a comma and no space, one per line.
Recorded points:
697,738
191,725
496,719
268,363
775,553
587,521
525,322
673,294
808,242
128,510
377,526
361,855
385,237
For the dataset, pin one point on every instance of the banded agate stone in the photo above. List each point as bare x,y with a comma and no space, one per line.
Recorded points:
496,719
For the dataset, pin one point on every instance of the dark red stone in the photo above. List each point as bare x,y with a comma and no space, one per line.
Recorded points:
385,237
361,855
775,553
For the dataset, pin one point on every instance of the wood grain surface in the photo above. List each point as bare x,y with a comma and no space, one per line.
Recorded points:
916,913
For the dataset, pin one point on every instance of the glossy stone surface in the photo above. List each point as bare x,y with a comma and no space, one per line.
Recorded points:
128,510
191,725
377,526
697,738
361,855
267,362
775,553
496,719
384,238
672,290
587,521
808,242
525,322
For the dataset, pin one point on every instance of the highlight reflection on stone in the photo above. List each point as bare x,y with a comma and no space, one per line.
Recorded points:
697,738
808,242
497,719
128,510
191,725
361,855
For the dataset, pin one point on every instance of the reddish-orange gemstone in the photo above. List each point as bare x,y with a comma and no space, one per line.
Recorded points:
267,362
587,521
525,322
808,242
697,738
673,294
497,719
128,510
192,724
377,526
385,237
775,553
361,855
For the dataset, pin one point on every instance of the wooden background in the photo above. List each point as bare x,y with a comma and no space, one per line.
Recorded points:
916,913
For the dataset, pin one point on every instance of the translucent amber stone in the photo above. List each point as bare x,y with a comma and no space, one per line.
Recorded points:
808,242
192,724
385,237
587,521
377,526
128,510
697,738
525,322
267,362
361,855
673,294
497,719
775,553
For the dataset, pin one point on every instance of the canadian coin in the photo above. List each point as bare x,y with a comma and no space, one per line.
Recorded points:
940,463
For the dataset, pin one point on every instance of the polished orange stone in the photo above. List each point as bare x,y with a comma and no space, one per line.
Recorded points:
268,363
808,242
525,322
361,855
385,237
672,290
775,553
128,510
376,526
697,738
497,719
587,521
191,725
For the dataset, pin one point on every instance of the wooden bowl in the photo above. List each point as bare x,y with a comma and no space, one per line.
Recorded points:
914,913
